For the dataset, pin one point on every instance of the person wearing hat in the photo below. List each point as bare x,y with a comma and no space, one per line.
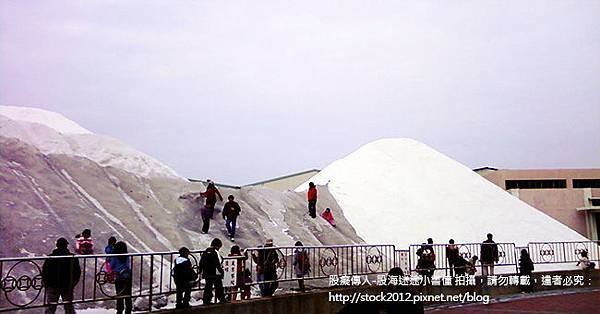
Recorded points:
60,276
184,275
267,261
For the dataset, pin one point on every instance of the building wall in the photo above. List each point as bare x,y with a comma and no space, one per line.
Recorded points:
500,176
560,204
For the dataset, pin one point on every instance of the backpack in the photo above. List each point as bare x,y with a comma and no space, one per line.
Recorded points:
86,246
428,255
304,262
184,272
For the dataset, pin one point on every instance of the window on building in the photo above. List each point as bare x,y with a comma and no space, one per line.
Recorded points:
586,183
536,184
595,202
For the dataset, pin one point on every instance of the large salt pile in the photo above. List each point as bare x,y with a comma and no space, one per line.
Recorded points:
400,191
53,133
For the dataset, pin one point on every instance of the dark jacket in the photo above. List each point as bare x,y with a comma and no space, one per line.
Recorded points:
210,264
460,266
451,253
266,261
183,272
301,262
231,210
525,265
62,273
489,251
426,257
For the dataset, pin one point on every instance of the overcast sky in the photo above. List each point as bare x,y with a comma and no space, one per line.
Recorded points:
245,91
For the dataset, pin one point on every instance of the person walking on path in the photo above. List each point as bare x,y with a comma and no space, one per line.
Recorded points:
60,276
212,272
489,255
312,200
231,211
451,255
526,269
183,275
121,266
301,264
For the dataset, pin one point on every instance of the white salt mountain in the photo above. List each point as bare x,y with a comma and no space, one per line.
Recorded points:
400,191
53,133
57,178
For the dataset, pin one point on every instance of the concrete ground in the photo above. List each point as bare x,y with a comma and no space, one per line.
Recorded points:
564,301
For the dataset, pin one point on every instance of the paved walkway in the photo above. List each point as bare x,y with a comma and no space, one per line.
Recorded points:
567,301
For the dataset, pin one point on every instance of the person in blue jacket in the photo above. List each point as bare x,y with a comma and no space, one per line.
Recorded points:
121,266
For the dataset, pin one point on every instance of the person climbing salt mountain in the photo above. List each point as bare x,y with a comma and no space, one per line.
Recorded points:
210,195
327,215
312,200
84,244
231,210
207,211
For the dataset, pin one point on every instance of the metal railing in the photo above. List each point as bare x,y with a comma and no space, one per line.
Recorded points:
324,261
508,258
563,252
22,287
402,259
21,282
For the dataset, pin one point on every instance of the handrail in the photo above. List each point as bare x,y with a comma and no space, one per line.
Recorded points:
22,287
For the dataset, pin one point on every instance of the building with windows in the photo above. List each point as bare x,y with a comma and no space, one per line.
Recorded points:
571,196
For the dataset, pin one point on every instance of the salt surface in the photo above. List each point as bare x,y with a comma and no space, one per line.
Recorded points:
400,191
50,119
52,133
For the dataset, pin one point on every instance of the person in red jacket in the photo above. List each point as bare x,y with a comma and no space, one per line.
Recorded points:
327,215
210,195
312,200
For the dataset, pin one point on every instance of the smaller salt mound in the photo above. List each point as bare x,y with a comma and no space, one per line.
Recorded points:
400,191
